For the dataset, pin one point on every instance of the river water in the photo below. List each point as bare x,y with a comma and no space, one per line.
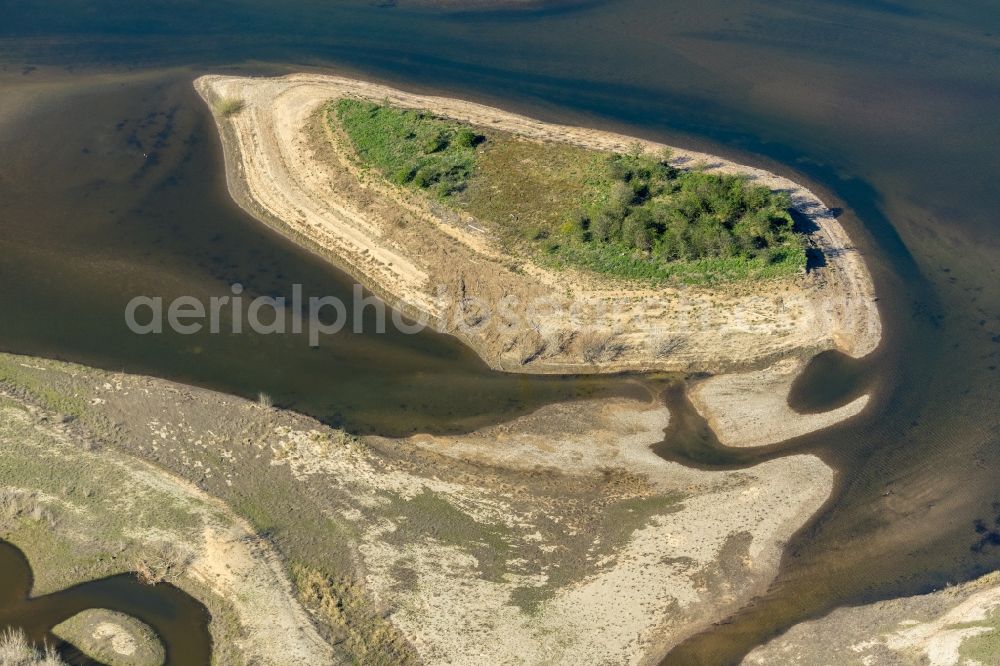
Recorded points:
890,111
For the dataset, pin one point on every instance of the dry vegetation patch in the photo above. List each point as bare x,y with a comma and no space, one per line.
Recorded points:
15,650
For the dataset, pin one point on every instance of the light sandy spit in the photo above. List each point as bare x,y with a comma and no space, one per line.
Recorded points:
288,169
751,408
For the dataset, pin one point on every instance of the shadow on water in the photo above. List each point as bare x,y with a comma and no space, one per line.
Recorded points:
689,440
179,620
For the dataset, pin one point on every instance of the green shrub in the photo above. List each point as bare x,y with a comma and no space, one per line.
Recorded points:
229,106
655,215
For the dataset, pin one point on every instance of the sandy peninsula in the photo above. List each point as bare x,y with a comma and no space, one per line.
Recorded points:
289,169
751,408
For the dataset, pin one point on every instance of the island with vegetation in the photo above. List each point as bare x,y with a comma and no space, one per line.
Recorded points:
545,248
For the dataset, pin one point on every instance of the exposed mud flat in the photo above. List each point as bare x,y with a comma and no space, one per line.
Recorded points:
715,542
287,168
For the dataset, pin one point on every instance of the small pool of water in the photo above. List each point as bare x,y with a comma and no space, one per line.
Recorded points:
830,380
179,620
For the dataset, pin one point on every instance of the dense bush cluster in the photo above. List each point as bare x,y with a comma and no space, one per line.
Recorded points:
653,208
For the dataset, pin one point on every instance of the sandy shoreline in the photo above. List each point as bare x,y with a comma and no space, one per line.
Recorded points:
285,168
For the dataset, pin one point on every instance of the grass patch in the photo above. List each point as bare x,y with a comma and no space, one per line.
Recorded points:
228,106
48,488
531,185
42,385
982,648
631,216
411,147
615,526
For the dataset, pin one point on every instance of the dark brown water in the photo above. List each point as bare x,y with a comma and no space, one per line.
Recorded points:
179,620
889,109
113,187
